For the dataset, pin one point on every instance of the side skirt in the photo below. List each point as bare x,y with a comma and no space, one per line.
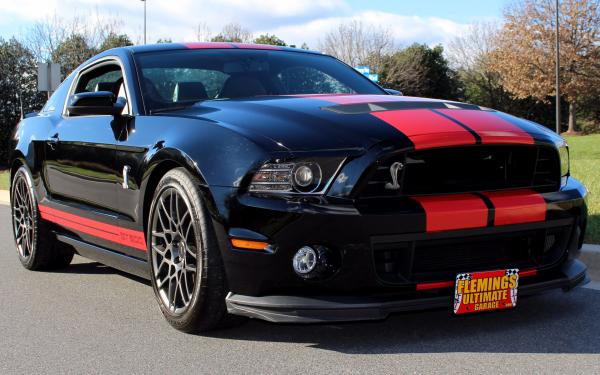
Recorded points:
110,258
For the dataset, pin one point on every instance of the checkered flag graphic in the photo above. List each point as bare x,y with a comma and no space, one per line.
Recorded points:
458,297
512,271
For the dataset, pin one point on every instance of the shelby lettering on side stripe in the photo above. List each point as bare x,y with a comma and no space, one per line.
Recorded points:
112,233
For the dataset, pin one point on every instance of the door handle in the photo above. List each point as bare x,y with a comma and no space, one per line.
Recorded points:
52,142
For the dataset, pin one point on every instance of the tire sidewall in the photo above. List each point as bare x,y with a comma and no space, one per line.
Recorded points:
23,172
196,303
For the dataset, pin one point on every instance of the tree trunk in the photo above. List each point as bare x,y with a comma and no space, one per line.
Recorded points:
572,122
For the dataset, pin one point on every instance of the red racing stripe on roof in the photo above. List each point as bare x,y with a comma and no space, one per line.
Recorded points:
217,45
208,45
491,128
112,233
257,46
517,206
426,129
454,211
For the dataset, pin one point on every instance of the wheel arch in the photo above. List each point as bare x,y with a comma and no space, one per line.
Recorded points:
160,164
17,162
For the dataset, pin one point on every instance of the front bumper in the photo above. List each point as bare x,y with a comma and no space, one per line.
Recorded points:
297,309
358,233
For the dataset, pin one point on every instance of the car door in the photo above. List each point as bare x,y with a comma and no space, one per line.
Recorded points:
80,155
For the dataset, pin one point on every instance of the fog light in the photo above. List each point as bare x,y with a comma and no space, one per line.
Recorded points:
305,260
316,262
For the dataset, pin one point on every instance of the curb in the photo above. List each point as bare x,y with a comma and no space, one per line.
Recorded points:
588,248
4,197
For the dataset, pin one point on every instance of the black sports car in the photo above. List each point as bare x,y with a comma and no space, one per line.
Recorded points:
281,184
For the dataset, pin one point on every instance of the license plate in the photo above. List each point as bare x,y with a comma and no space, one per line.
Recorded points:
485,291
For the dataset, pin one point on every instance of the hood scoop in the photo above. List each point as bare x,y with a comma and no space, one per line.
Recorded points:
360,108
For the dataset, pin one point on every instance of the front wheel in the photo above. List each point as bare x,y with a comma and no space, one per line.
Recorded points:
186,269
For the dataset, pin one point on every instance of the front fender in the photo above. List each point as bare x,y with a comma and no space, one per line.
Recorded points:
218,156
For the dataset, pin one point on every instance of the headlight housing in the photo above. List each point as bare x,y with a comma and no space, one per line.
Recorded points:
563,152
302,176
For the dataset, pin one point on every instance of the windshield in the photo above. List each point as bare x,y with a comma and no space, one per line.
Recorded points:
174,79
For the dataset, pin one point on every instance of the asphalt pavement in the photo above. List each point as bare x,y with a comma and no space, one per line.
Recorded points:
92,319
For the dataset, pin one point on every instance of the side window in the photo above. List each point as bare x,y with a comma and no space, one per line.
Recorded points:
106,77
305,80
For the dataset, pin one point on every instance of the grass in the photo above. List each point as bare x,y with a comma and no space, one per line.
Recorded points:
4,180
585,166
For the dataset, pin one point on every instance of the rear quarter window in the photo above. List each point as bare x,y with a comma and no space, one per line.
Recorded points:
57,100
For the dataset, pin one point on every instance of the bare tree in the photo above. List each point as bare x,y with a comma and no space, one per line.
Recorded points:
524,57
471,56
203,32
44,36
471,51
357,43
234,32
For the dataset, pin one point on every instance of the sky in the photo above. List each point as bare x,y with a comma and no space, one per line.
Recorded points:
295,21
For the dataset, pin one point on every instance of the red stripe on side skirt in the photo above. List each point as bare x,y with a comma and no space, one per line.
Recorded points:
491,128
427,129
450,284
517,206
456,211
112,233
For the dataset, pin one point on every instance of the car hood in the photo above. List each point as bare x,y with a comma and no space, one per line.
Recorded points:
326,122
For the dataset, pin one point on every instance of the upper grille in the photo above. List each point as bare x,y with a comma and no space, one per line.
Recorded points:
465,169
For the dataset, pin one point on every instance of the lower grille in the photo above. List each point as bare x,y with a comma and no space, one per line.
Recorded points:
442,259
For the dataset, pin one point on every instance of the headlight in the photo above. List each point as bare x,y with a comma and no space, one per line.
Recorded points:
563,152
301,176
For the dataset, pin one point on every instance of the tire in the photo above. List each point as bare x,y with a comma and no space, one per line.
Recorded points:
186,269
37,247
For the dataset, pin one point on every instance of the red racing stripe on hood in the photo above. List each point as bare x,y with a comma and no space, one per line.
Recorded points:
426,129
491,128
455,211
517,206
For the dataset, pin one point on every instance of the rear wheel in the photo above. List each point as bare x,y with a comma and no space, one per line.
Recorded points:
186,269
36,245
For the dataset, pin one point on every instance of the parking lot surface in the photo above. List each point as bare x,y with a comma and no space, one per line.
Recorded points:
92,319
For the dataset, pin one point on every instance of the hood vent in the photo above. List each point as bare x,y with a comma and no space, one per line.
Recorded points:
355,109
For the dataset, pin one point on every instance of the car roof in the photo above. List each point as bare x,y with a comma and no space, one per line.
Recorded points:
211,45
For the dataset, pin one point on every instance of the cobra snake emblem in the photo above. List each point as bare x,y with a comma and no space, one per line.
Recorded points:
394,169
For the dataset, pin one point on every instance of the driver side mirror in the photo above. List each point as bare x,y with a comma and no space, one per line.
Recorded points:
96,103
394,92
